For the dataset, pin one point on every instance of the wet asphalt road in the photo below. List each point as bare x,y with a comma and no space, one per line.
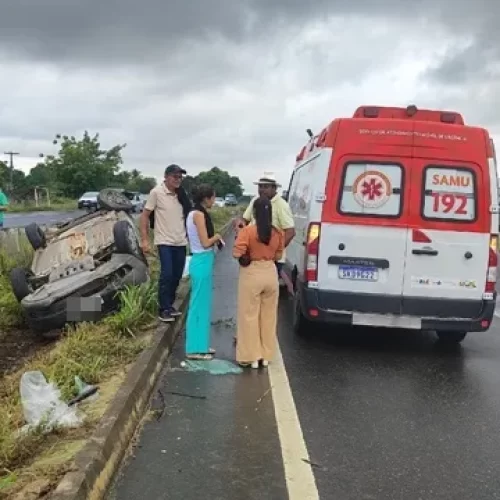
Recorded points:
42,218
385,415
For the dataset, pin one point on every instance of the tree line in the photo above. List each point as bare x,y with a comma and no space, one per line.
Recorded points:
219,179
79,165
82,165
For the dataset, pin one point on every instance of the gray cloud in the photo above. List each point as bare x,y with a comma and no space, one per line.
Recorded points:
130,33
474,55
125,31
231,83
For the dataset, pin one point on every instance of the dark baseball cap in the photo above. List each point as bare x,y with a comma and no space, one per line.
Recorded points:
174,169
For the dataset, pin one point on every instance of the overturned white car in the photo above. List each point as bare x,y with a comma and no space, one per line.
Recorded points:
80,266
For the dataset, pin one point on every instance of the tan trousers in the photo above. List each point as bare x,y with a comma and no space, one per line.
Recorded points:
258,294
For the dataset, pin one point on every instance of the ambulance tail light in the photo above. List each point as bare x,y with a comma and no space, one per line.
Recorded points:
491,275
312,251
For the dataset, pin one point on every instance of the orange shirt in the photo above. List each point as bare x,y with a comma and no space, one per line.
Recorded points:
248,241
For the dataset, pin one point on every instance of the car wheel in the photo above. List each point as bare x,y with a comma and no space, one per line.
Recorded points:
301,325
126,240
20,283
451,337
111,199
35,236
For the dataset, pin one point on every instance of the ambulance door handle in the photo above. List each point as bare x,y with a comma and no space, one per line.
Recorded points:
422,251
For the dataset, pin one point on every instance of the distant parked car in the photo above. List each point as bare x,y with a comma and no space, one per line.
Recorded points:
219,202
136,200
231,200
88,201
80,264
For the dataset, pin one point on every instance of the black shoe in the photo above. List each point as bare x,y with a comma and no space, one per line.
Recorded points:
166,317
174,312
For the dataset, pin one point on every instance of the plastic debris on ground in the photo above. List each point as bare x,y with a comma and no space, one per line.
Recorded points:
84,392
43,406
214,366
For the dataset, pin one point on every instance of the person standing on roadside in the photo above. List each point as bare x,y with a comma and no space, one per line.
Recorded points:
170,205
4,203
257,248
202,241
282,218
282,215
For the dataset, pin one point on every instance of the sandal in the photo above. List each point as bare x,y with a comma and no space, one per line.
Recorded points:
200,357
251,364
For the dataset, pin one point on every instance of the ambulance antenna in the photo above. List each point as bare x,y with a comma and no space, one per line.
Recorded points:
309,133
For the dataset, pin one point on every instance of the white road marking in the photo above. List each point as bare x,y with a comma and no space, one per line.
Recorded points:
299,476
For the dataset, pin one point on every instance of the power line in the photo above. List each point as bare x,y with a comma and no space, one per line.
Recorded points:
11,155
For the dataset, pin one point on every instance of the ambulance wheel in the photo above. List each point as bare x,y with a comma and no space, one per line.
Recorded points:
451,337
301,325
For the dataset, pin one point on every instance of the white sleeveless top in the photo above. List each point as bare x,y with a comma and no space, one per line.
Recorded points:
192,234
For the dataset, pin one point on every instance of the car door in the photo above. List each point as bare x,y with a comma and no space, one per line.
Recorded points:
362,247
448,245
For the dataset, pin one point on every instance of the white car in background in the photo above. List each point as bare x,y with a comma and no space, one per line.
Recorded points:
219,202
88,201
136,200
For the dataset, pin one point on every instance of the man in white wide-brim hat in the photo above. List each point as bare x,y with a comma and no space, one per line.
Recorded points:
282,215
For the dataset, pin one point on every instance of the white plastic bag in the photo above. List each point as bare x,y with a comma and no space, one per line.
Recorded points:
42,404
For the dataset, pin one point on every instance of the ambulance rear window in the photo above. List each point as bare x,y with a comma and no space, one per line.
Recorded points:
449,194
372,189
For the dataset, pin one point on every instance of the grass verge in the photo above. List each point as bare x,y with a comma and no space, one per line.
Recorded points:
98,353
10,311
57,205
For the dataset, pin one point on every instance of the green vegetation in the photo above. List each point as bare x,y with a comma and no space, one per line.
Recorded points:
79,165
82,165
29,205
98,353
220,180
10,311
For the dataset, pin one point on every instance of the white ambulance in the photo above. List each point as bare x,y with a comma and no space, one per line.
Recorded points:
396,216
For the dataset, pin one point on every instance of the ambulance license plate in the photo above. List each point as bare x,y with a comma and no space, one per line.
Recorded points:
357,273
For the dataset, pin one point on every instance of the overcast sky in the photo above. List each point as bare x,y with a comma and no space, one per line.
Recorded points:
234,83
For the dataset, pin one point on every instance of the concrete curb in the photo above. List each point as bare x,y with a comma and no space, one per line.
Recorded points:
96,464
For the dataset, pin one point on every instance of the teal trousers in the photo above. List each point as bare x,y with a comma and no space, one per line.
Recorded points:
201,268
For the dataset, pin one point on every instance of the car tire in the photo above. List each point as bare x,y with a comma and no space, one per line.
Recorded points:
111,199
19,282
126,241
35,236
301,325
451,337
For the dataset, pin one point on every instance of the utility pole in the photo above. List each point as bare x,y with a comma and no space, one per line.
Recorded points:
11,166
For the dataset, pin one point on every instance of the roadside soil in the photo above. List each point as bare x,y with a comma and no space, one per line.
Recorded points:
17,346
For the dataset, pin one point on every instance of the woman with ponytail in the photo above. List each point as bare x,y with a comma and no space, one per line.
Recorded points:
257,247
202,242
